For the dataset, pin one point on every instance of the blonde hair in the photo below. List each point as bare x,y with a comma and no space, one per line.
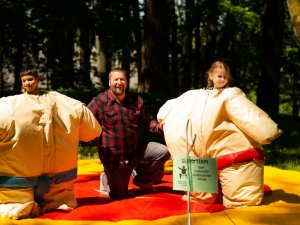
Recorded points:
217,65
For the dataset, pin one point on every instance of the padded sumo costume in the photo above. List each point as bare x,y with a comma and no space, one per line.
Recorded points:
39,136
226,126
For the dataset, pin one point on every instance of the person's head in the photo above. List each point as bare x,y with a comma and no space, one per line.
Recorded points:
117,81
218,75
30,80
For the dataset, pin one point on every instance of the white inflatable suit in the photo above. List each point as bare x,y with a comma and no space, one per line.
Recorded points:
39,137
229,127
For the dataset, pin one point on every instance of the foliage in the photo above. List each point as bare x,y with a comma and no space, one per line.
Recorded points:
290,82
87,150
294,10
72,41
284,151
84,95
283,158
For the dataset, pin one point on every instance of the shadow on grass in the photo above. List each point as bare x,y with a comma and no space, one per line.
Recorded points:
284,152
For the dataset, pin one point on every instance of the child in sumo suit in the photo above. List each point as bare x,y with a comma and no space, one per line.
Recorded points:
39,136
224,125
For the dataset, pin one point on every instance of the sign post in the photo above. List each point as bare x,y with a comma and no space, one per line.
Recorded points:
194,174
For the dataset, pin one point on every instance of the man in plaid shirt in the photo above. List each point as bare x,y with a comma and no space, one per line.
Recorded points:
120,148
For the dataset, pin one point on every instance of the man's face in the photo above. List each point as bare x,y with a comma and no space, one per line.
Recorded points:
117,82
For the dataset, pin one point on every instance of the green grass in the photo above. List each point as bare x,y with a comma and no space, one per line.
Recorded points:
87,150
283,158
283,153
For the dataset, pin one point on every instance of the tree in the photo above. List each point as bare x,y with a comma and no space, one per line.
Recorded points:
137,31
187,49
155,47
174,49
211,36
294,10
19,28
86,42
268,87
169,43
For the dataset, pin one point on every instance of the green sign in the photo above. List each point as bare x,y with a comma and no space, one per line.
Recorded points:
195,174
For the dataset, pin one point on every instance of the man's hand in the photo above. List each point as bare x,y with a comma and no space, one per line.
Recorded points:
161,125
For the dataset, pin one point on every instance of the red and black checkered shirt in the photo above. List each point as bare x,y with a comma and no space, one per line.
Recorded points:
120,126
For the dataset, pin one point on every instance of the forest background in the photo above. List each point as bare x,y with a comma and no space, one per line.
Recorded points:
166,45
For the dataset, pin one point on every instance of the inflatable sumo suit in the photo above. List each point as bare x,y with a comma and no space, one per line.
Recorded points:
39,137
227,126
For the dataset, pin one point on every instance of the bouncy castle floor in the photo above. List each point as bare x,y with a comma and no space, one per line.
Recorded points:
281,204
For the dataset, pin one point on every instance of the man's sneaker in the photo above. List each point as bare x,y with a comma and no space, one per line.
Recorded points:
147,187
104,187
133,173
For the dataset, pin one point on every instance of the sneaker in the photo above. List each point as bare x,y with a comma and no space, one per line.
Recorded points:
147,187
104,187
133,173
17,211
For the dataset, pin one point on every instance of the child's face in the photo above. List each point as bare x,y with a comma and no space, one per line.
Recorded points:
219,78
30,84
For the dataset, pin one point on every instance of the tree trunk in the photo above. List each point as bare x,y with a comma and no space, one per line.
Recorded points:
101,63
227,33
174,76
86,38
60,49
212,31
198,75
126,58
155,70
187,52
268,87
294,10
137,30
19,27
65,66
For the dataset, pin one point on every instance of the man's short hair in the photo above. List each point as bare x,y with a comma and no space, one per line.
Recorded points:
117,69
